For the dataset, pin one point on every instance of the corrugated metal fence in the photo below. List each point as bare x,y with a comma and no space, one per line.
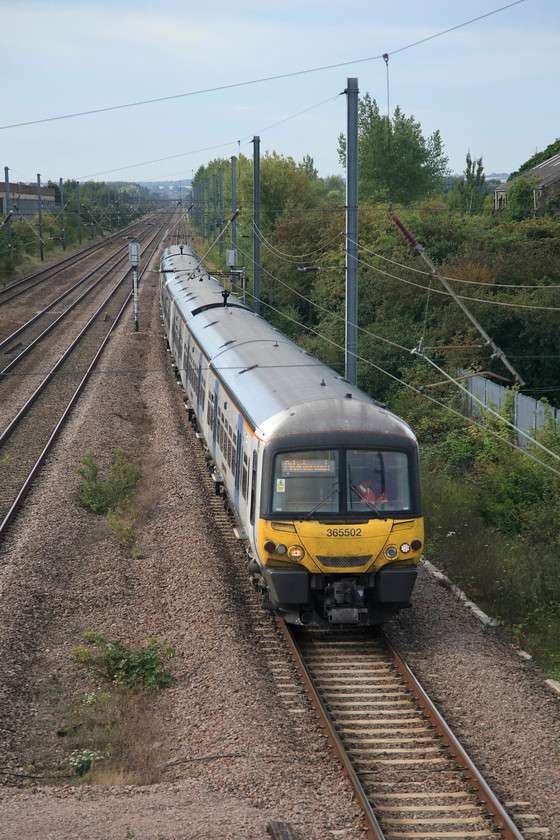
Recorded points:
529,414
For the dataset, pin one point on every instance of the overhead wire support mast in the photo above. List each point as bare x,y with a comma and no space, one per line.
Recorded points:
497,352
215,242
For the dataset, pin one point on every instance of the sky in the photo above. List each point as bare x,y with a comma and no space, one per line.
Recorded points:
490,86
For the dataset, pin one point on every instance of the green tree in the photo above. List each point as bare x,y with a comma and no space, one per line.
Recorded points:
470,190
308,166
285,186
520,200
395,161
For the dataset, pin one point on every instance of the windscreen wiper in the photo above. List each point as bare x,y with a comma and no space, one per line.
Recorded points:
371,505
327,499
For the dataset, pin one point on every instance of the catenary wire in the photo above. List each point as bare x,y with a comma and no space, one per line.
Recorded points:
462,297
229,143
290,258
265,78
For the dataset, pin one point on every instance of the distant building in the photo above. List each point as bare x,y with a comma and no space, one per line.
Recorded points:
24,200
545,180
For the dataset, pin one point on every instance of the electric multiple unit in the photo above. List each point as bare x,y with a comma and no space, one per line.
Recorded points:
323,480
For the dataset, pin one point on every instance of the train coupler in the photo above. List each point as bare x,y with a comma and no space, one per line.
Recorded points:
344,603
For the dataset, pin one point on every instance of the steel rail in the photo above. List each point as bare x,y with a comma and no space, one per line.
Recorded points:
47,272
494,807
371,825
501,820
115,258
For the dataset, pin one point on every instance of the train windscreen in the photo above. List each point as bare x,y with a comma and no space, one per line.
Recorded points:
340,481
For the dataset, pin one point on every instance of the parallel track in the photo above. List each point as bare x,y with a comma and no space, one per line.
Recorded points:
28,335
27,439
19,286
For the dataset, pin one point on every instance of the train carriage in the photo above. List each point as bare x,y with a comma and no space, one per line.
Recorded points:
323,480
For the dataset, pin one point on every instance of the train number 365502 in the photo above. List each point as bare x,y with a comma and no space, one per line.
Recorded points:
344,532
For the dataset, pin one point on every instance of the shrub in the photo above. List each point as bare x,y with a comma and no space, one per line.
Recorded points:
109,494
128,667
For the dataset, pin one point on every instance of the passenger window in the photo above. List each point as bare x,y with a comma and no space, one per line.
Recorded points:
253,488
245,476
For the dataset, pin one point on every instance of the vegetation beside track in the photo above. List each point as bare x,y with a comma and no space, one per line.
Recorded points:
111,730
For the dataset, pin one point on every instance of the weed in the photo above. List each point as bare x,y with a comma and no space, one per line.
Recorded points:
113,733
83,761
109,494
129,667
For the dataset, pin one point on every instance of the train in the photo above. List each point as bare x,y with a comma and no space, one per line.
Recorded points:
322,479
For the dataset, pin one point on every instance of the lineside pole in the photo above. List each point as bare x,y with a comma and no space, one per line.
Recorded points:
234,223
8,219
40,210
256,225
221,205
351,343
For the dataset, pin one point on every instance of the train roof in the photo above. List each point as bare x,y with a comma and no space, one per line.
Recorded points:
251,358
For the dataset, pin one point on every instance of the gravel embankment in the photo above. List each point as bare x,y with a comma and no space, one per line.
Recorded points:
232,756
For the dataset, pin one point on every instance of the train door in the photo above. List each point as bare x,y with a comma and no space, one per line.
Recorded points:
215,421
185,360
238,460
199,386
253,486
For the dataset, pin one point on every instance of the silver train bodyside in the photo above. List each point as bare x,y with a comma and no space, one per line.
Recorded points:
284,433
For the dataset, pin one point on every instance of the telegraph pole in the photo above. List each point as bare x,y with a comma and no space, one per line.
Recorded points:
62,218
80,212
209,214
8,211
221,206
91,210
234,223
203,226
215,219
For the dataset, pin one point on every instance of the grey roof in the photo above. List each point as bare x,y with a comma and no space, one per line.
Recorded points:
544,174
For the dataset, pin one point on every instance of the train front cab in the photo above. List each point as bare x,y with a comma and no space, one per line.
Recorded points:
340,532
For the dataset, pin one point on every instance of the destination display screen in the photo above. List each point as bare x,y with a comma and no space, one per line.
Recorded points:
308,466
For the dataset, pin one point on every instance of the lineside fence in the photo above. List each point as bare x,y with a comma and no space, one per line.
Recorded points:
528,413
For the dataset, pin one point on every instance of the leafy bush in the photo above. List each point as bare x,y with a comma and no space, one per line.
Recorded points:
109,494
128,667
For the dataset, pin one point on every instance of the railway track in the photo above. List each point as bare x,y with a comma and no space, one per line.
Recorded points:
10,290
29,434
411,777
66,295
